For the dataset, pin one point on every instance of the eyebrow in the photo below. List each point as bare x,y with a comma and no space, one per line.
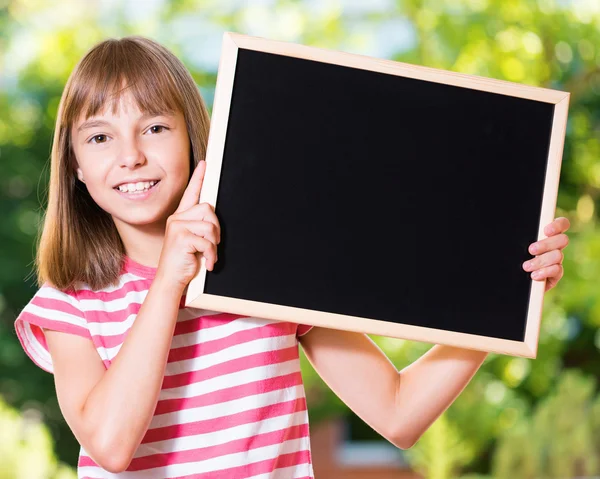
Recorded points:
94,123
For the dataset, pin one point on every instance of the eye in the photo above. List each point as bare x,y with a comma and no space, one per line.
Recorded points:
152,128
97,136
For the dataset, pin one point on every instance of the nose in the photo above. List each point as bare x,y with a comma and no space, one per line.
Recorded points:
131,154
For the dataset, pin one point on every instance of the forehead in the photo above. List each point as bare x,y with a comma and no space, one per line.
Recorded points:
135,98
124,104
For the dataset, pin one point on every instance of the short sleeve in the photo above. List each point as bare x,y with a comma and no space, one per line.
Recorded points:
303,329
52,309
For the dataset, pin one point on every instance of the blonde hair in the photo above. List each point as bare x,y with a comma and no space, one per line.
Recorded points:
79,241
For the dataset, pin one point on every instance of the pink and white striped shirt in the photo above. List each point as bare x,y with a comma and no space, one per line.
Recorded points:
232,403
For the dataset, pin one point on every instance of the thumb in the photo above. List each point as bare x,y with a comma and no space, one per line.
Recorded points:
191,195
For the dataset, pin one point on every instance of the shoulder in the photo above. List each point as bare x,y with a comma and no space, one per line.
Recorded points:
52,304
81,311
128,291
49,308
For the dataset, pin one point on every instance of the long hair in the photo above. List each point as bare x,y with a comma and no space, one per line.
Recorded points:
79,242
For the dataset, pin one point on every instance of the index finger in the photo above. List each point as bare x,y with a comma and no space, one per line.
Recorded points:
191,195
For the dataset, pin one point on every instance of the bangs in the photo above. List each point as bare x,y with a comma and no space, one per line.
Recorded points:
118,67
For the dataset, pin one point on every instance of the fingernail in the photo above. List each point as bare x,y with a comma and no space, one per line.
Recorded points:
534,248
535,274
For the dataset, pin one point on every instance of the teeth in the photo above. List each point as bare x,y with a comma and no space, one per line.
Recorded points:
135,187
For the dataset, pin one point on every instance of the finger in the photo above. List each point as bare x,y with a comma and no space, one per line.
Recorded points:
552,281
203,229
547,272
191,195
559,225
202,212
555,256
204,247
553,242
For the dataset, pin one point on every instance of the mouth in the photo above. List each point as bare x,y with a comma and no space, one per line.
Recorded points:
138,194
124,189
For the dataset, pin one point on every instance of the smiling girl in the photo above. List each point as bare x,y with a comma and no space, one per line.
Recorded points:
150,388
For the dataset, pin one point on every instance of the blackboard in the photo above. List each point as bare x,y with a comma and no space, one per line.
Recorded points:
376,196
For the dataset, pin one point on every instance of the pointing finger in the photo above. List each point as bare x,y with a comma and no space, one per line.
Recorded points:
191,195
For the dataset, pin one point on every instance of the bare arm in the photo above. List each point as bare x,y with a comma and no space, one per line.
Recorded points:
399,405
110,410
421,399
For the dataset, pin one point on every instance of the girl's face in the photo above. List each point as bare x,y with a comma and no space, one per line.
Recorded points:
112,150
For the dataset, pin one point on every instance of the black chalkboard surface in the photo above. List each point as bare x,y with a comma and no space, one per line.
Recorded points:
376,196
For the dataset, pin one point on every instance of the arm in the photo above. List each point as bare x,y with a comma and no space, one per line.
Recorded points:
110,410
399,405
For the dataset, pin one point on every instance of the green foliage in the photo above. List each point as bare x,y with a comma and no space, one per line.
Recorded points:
441,452
560,439
26,448
544,43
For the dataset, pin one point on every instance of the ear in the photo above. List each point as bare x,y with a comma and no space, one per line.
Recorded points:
75,166
80,175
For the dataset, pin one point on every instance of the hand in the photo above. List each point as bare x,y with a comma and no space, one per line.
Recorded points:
549,255
193,228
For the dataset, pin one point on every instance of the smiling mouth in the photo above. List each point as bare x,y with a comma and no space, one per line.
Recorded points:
133,192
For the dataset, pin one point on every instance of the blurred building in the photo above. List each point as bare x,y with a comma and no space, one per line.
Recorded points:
336,455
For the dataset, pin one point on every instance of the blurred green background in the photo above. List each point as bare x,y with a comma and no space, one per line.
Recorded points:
518,417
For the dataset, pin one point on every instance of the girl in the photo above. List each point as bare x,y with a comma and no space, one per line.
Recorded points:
152,389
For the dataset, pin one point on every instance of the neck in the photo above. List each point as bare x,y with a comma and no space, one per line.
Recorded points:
143,244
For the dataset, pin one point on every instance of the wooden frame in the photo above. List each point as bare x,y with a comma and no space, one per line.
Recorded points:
232,43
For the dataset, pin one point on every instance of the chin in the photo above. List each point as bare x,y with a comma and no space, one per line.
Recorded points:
140,220
138,217
142,214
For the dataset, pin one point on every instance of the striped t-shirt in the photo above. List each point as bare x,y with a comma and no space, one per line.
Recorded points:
232,403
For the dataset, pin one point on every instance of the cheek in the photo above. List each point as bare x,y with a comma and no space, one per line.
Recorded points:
98,187
104,198
178,168
178,181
